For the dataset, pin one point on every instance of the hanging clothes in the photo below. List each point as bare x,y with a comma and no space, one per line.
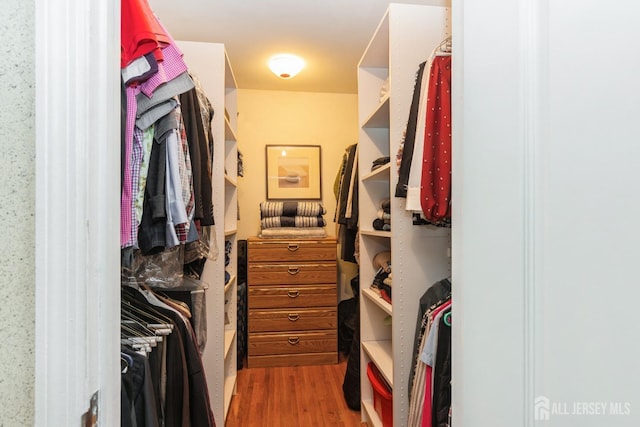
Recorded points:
430,349
415,167
424,154
405,153
200,156
347,213
430,378
177,373
140,32
435,184
441,395
166,152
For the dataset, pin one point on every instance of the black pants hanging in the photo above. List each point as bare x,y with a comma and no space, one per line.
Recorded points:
442,376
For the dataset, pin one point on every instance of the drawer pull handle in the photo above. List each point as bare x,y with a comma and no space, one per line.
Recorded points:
294,340
293,294
293,247
293,317
293,270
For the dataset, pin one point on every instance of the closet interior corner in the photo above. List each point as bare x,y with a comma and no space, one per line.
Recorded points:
202,295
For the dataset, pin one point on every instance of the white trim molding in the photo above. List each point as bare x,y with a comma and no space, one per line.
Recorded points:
533,63
77,210
494,238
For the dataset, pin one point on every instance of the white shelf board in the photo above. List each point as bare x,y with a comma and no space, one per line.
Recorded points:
377,300
229,133
230,284
229,335
372,415
230,232
379,118
377,52
375,233
380,174
381,353
229,180
229,390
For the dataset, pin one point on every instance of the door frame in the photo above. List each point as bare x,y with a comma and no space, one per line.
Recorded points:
77,214
77,289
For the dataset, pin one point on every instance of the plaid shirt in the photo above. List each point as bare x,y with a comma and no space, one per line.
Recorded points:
172,66
186,176
128,229
147,143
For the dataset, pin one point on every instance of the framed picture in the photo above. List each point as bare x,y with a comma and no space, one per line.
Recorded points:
293,172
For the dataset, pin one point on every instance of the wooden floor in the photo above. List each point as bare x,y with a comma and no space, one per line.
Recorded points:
301,396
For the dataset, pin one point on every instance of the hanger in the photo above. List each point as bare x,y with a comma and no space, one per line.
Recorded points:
141,327
137,340
124,365
150,318
125,362
444,48
178,305
447,318
145,308
168,301
145,314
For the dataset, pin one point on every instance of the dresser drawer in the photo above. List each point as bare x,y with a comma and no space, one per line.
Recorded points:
291,273
292,296
292,320
263,344
294,359
291,250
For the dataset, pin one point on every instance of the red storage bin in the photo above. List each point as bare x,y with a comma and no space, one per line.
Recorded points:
382,395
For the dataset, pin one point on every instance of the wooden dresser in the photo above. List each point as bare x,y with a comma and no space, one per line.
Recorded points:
292,315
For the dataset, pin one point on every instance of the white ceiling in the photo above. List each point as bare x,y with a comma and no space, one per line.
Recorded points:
330,35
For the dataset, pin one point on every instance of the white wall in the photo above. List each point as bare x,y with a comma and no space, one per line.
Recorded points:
298,118
546,231
17,195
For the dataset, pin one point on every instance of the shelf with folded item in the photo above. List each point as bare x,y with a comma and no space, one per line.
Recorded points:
381,354
379,174
377,300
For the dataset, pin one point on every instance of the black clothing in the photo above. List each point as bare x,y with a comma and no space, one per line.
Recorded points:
410,136
442,376
439,291
200,157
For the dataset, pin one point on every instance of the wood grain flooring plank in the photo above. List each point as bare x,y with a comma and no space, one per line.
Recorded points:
298,396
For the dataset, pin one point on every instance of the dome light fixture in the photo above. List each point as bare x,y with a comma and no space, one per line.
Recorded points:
285,65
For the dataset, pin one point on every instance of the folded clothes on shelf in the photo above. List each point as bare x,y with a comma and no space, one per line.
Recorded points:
379,162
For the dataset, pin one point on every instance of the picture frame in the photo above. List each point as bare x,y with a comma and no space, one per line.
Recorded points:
293,172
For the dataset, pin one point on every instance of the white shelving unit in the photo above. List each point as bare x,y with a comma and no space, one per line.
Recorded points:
404,38
209,63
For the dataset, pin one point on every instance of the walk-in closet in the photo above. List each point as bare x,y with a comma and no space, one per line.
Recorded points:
325,276
441,234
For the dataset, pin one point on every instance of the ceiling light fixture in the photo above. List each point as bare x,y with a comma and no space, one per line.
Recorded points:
286,65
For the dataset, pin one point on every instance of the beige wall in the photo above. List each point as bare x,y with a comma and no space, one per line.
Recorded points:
17,208
274,117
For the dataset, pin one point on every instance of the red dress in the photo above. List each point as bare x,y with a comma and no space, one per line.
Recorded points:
435,184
